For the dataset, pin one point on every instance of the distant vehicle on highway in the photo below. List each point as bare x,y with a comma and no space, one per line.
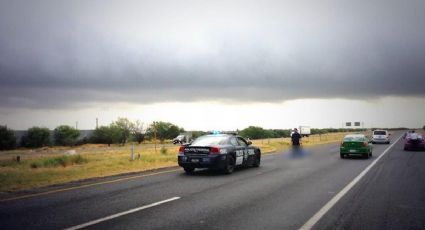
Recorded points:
356,145
182,138
381,136
305,131
218,151
414,141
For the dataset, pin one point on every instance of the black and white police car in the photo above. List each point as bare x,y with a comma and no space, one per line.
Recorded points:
218,151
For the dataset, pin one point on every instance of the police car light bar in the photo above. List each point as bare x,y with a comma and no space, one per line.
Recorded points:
216,132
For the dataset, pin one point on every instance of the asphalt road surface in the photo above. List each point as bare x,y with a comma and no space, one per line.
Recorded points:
284,193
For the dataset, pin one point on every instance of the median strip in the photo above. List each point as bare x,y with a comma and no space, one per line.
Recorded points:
93,222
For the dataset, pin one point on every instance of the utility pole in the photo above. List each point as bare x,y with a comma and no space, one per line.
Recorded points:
154,134
97,122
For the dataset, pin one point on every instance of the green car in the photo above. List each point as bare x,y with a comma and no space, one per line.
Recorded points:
356,145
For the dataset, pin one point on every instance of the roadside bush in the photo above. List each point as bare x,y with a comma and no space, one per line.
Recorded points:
163,151
105,135
36,137
66,135
7,138
63,161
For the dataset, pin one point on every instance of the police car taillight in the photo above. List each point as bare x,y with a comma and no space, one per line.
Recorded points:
215,150
181,150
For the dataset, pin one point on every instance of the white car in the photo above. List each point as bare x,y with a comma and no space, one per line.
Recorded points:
381,136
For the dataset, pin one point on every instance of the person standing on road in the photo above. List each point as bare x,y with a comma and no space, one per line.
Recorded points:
295,138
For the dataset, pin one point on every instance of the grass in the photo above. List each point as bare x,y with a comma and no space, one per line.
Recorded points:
47,166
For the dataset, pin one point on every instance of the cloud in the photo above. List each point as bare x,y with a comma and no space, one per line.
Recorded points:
57,54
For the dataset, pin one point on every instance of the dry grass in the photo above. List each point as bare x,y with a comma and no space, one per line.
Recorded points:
46,166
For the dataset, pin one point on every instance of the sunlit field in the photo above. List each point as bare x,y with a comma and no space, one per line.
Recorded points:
53,165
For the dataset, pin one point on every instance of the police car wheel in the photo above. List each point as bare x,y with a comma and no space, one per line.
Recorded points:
230,165
257,160
189,169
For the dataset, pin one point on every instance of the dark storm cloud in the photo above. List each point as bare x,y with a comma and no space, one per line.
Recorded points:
61,54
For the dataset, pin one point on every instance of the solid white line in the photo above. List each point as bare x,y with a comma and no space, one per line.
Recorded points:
121,214
313,220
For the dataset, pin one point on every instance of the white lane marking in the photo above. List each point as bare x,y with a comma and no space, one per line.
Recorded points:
93,222
313,220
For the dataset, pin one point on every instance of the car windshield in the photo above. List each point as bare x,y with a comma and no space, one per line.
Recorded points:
379,133
354,138
211,140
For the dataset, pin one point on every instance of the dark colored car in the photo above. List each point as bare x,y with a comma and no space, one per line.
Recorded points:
219,151
413,141
357,145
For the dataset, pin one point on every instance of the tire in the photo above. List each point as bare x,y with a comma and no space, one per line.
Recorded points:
370,154
230,165
257,160
342,156
366,156
189,170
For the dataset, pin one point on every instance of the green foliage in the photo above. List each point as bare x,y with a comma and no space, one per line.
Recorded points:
7,138
139,137
163,130
59,161
66,135
124,127
253,132
163,151
36,137
106,135
196,134
138,132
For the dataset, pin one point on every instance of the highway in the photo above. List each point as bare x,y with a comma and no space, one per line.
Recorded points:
286,192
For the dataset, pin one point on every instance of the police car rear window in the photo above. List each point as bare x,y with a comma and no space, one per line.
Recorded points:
379,133
210,140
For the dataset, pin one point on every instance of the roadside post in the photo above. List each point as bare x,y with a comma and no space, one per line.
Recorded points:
132,152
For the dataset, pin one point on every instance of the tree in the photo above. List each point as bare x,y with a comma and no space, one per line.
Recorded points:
164,130
125,127
37,137
423,127
138,131
253,132
65,135
106,135
7,138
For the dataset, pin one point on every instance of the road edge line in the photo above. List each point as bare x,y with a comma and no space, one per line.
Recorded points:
318,215
110,217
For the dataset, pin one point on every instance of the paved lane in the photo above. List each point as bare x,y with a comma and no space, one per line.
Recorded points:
392,196
282,194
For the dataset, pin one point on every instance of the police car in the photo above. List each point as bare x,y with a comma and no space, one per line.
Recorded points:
219,151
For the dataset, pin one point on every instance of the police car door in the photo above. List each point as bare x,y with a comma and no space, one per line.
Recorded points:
244,147
239,151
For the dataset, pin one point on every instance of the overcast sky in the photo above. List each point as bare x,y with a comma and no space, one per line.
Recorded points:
253,62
